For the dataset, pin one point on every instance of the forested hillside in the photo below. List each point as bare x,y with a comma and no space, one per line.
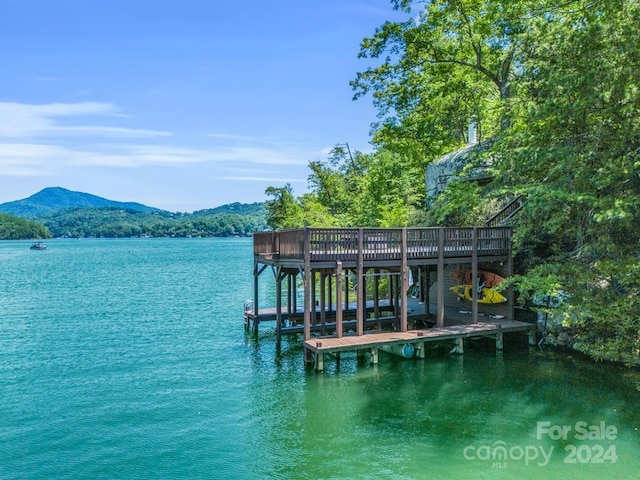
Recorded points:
554,86
118,222
16,228
65,213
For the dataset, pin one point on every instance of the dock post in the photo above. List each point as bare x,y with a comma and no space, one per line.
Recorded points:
307,284
499,338
510,293
314,300
440,280
294,293
330,292
279,277
319,361
289,294
460,345
374,355
474,275
256,274
346,290
532,337
360,294
420,353
339,310
404,282
323,306
376,297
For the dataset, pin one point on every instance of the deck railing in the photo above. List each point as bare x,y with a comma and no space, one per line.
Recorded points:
345,244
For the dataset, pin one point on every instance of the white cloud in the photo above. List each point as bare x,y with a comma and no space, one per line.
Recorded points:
19,120
130,156
23,159
46,139
27,160
34,159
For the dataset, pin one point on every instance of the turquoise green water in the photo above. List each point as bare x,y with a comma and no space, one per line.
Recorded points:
127,359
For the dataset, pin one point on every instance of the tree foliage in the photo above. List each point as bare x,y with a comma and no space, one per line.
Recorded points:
573,148
450,62
114,222
16,228
378,189
283,210
555,86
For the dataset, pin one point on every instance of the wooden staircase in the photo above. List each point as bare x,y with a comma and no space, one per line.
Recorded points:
507,212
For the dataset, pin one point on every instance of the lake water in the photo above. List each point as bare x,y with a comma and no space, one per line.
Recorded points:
128,359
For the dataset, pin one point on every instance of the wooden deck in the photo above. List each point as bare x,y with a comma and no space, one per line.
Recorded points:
351,245
375,266
317,347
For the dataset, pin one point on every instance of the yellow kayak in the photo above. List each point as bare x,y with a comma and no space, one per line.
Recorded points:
486,295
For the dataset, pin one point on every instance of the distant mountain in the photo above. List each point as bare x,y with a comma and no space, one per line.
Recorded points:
53,199
75,214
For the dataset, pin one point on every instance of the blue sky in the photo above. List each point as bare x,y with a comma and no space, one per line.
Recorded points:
181,105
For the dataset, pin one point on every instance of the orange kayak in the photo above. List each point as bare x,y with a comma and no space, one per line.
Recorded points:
487,279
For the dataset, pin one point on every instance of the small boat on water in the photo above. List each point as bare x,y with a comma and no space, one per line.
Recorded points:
38,246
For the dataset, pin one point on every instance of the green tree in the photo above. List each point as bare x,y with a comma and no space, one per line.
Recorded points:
450,62
392,190
16,228
283,210
573,149
555,85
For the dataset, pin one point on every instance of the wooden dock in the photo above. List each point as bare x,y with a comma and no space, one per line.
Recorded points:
315,349
374,265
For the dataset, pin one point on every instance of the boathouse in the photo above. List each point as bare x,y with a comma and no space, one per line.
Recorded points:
393,289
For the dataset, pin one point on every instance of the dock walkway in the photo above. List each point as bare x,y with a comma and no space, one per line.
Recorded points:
316,348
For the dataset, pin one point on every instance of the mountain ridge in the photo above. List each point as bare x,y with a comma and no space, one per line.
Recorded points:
76,214
52,199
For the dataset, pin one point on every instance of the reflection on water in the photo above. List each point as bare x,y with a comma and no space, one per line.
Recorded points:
480,415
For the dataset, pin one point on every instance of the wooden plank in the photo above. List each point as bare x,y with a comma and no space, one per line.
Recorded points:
334,344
